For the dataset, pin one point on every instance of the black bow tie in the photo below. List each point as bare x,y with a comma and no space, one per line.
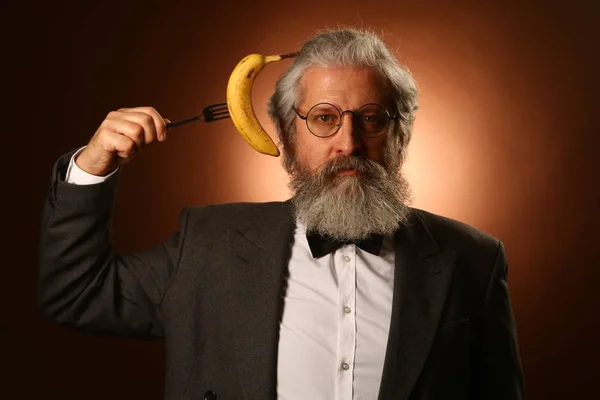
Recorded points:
323,245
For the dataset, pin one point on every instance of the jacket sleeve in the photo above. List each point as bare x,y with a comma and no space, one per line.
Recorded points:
498,370
82,283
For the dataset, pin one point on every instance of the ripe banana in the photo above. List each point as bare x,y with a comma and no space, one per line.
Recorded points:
239,101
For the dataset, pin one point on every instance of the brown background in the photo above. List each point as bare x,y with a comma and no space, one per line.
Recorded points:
506,139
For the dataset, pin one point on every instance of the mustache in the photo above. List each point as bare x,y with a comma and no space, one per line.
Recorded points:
364,166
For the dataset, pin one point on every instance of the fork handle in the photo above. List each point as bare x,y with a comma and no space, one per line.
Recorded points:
185,121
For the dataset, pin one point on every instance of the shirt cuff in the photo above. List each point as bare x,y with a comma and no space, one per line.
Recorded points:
77,176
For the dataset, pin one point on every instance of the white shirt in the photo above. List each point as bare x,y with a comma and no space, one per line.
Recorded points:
336,318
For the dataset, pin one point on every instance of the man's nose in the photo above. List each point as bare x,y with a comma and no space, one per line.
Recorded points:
348,140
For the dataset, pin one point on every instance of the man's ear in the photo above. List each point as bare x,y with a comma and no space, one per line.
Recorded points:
282,135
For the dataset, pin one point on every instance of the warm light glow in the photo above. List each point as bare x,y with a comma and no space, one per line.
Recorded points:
450,156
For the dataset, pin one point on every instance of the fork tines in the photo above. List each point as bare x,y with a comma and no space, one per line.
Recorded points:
215,112
210,113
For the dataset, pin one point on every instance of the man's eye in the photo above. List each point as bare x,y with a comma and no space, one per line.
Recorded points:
371,119
325,118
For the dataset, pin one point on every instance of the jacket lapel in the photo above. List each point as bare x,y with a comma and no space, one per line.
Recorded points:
260,251
423,274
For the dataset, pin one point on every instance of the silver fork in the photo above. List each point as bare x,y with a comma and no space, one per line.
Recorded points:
209,113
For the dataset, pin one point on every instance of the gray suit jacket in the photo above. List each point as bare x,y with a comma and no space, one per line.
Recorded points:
214,292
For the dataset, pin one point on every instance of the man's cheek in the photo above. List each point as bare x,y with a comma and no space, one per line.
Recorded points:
308,161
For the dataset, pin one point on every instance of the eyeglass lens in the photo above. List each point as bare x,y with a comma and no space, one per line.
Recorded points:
324,119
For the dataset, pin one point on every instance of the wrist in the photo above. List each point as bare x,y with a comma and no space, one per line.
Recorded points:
83,162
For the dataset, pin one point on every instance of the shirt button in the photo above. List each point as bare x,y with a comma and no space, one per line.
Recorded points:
345,367
347,310
347,258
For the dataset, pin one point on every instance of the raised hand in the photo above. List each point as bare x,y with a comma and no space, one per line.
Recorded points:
121,135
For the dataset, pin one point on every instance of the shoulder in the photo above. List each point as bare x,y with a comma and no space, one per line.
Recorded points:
449,233
236,210
228,214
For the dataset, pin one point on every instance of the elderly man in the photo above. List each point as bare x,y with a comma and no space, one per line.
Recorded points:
341,292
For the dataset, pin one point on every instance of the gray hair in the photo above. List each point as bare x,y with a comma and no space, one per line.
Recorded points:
345,47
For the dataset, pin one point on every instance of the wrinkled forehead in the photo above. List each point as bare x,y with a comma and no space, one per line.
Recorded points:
346,87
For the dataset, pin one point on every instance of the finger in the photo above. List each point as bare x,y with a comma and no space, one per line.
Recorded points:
127,128
120,144
142,119
167,121
159,122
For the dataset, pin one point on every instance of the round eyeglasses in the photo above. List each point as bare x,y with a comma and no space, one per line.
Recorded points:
325,119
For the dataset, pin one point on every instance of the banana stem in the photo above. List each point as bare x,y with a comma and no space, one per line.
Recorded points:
278,57
288,55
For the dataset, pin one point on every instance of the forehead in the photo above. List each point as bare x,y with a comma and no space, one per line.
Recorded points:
345,87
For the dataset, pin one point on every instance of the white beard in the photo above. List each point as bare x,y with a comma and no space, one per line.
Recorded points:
350,207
